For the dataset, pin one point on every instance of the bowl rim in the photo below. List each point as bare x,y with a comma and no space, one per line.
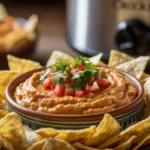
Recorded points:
119,111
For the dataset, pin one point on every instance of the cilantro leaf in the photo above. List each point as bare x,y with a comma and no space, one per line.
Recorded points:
80,60
44,74
81,79
59,79
68,71
61,65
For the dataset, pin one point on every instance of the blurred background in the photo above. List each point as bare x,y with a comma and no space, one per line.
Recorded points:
51,26
87,27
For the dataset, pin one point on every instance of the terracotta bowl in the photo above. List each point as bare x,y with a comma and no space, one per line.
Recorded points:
23,51
125,115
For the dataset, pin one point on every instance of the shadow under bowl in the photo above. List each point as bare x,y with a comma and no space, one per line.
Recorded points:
125,115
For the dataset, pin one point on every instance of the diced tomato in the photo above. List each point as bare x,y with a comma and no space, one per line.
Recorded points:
73,71
78,93
87,89
64,73
95,87
53,70
68,80
69,92
80,67
102,83
48,82
59,90
92,88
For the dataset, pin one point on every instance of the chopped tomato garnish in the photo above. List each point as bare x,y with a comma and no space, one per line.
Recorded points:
102,83
87,89
78,93
48,82
59,90
92,87
68,80
80,67
69,92
73,71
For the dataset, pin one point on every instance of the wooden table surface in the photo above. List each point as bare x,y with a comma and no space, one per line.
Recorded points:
52,29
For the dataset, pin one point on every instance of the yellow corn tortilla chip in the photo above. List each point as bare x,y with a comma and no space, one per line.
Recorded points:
76,135
127,144
57,55
3,113
108,128
147,95
117,58
37,145
11,129
22,65
95,59
4,144
3,103
32,137
101,63
47,132
142,142
67,135
57,144
137,129
80,146
135,67
31,23
3,11
17,38
144,76
5,78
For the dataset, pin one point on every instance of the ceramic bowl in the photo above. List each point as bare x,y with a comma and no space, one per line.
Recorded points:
124,115
23,51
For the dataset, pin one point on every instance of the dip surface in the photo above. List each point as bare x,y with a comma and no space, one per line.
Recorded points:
32,95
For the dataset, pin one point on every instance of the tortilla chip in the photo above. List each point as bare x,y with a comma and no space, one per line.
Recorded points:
147,95
108,128
37,145
3,103
32,137
142,142
127,144
3,113
57,144
80,146
117,58
5,78
17,38
22,65
137,129
144,76
47,132
3,11
11,129
95,59
101,63
57,55
135,67
31,23
76,135
4,144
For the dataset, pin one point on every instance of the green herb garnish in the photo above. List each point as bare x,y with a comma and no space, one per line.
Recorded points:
44,74
61,65
59,79
79,79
